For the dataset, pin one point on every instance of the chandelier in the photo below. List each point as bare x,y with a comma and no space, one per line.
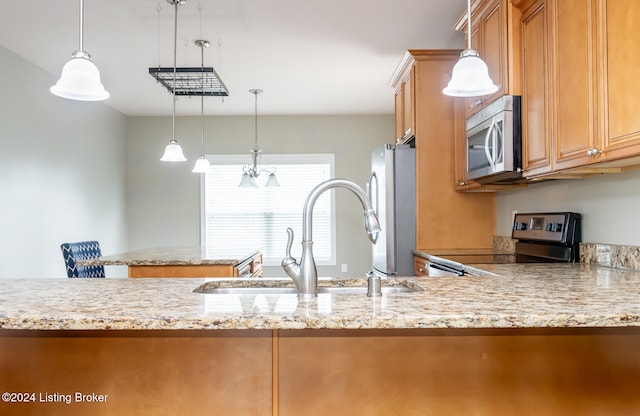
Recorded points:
250,173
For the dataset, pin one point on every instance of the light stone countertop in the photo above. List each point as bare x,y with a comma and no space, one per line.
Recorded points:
170,256
513,296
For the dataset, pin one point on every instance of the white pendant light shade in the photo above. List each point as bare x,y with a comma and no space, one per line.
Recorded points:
202,165
272,181
470,77
247,181
173,153
80,80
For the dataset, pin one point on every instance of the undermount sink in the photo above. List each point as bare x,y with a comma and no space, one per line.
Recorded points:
261,286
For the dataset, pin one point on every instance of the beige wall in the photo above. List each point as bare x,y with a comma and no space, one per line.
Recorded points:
163,200
62,172
609,204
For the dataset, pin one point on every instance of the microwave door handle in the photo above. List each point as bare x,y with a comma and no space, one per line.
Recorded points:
486,144
499,136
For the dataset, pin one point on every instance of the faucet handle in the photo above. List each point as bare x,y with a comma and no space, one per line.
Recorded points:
289,241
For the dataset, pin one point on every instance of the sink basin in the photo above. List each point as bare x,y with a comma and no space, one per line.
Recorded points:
259,286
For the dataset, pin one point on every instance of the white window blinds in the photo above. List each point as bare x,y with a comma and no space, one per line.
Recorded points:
236,220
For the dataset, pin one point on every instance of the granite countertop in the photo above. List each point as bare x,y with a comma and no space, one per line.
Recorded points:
170,256
505,296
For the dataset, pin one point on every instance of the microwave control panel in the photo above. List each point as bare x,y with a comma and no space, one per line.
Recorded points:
558,227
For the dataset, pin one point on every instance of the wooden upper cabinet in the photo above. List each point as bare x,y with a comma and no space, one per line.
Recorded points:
495,35
620,66
536,106
404,102
572,33
580,90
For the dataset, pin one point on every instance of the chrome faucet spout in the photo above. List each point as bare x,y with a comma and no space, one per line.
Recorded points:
305,274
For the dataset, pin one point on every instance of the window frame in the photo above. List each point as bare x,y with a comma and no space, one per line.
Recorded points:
269,160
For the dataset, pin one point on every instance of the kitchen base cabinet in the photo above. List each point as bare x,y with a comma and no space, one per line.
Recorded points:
251,267
459,372
484,372
137,372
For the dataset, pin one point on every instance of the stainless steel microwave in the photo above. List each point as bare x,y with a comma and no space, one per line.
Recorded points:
494,142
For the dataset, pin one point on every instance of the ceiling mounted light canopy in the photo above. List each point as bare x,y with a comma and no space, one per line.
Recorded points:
202,163
470,75
250,173
80,78
173,151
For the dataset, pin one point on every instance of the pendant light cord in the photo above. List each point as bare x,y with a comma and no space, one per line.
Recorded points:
255,118
202,46
175,49
81,42
469,24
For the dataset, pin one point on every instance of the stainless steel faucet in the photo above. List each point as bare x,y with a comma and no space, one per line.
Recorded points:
305,274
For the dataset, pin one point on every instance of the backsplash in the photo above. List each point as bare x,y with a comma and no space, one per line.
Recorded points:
611,255
503,243
620,257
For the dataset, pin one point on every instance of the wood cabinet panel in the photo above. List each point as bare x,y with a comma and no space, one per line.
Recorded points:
493,45
449,372
184,271
573,37
592,73
420,266
441,211
621,72
142,372
536,129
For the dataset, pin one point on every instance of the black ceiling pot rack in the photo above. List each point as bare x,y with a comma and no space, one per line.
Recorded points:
191,81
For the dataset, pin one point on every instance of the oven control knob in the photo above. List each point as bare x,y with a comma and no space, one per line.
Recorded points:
549,226
521,226
557,227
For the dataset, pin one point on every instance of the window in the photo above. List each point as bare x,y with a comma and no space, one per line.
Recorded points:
235,220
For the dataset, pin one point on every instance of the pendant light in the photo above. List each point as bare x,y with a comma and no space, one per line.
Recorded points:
80,78
173,151
470,75
250,173
202,164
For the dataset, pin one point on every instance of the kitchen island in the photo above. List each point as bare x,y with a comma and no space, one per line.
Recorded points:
183,262
529,339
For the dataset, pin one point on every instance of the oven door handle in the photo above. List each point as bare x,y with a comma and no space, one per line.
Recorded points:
487,152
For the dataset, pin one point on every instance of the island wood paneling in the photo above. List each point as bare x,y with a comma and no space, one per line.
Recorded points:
143,372
460,372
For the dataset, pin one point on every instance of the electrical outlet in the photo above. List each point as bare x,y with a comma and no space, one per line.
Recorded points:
344,268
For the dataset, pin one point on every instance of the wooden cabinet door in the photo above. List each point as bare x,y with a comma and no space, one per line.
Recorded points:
404,108
572,33
407,108
536,114
618,42
399,119
494,49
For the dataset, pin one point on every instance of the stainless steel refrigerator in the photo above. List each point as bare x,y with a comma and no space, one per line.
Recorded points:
392,189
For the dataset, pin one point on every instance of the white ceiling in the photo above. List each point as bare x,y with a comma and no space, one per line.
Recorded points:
309,56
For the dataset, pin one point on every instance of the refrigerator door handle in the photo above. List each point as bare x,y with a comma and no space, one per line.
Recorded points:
370,188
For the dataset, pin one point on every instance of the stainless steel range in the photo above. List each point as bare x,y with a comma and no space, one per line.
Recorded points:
548,237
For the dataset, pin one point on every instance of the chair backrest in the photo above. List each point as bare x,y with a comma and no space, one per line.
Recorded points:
82,250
